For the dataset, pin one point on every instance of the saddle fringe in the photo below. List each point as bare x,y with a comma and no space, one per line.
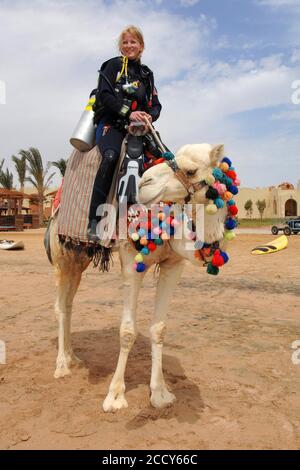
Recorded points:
101,256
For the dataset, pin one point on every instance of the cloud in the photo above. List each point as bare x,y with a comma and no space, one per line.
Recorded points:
188,3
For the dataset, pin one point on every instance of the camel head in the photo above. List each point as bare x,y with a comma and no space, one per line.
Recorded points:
197,161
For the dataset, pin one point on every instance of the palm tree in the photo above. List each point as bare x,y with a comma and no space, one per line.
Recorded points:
1,165
38,178
6,179
7,182
61,164
20,165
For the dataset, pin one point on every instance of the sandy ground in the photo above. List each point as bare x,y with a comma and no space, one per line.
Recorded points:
227,356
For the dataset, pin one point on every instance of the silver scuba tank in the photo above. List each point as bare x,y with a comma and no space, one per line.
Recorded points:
84,135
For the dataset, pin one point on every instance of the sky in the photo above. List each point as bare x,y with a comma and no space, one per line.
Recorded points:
224,70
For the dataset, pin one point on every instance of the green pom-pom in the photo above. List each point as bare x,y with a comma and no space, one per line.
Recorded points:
214,270
168,156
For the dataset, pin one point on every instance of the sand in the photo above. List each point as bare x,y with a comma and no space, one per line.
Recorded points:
227,356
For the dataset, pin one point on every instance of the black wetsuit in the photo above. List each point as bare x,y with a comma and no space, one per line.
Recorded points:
114,116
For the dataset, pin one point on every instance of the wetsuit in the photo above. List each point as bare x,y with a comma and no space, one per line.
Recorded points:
117,105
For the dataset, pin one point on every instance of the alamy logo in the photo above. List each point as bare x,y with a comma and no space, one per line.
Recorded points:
2,352
296,353
296,95
2,92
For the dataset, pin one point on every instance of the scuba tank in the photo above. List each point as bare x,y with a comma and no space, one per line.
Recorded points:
83,138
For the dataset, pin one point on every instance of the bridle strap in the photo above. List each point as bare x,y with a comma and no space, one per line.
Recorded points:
181,176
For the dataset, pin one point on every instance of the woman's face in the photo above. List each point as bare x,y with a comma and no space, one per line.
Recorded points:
131,47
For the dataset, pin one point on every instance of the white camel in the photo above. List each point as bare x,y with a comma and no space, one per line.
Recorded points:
159,183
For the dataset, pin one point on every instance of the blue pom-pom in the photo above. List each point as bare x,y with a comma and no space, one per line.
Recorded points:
224,256
168,156
230,224
219,203
140,267
233,189
141,232
226,160
231,202
217,173
145,251
158,241
171,231
163,225
232,168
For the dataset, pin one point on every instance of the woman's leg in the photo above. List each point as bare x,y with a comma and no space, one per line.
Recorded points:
110,146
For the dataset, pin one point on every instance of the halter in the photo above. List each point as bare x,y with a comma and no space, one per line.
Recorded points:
181,176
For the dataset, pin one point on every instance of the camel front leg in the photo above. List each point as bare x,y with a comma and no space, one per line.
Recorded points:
170,273
115,398
68,282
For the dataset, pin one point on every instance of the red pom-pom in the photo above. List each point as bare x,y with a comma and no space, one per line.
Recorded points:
151,246
231,174
233,210
217,259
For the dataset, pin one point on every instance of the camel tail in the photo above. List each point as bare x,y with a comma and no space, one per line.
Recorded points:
47,240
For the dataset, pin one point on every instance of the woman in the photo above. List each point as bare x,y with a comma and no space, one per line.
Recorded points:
125,93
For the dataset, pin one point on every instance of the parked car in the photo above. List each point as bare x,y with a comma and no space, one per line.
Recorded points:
289,227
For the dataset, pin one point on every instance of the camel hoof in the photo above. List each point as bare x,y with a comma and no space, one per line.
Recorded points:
61,371
162,398
114,403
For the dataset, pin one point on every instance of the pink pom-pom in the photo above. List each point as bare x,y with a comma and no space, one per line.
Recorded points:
175,223
237,182
156,230
220,187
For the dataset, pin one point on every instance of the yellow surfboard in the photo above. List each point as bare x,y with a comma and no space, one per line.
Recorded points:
275,245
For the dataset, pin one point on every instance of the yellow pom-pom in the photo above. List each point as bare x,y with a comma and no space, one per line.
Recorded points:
164,236
211,208
210,180
138,258
224,166
227,196
144,241
135,237
229,235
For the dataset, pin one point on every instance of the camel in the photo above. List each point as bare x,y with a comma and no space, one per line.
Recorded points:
159,183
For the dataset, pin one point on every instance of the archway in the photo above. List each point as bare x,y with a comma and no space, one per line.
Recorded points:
290,208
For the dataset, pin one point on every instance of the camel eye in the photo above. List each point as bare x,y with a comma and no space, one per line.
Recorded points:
191,172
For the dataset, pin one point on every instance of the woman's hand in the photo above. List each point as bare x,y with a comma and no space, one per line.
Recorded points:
140,116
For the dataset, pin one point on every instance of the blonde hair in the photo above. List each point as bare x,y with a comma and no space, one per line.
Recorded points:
135,31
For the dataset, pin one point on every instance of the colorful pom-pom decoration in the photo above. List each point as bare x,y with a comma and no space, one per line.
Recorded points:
168,156
219,203
227,160
224,167
222,186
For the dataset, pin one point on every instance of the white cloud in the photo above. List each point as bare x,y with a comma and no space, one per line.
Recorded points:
188,3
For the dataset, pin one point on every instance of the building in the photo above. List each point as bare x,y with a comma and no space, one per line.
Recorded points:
281,201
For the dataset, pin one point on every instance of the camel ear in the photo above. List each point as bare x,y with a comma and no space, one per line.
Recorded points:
216,154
